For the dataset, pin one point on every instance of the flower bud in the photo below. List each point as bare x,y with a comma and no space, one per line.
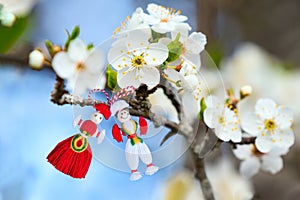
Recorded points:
8,19
36,59
245,91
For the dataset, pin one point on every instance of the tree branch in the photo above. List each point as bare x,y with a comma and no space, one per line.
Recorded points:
200,175
60,96
245,140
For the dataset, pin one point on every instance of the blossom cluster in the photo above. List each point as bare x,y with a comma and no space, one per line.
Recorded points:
151,48
147,49
270,124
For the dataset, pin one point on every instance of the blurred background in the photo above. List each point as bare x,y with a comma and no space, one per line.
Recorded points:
251,42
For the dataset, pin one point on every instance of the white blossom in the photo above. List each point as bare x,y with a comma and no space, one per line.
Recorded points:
7,18
165,19
188,83
136,59
162,105
18,7
36,59
222,119
192,46
253,160
80,66
271,124
226,182
134,22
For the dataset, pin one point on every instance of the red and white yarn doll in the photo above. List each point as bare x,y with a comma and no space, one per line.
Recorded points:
135,146
73,155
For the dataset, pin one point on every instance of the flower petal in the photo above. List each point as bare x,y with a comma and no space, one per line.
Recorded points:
191,106
284,139
272,164
128,77
136,40
264,143
95,61
155,10
250,167
164,41
196,42
222,133
156,54
285,118
193,60
183,29
251,124
163,27
235,134
266,109
118,57
78,50
276,151
149,76
209,116
243,152
63,65
213,102
179,18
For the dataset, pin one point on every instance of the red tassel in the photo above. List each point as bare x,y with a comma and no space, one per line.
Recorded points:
116,132
72,156
143,126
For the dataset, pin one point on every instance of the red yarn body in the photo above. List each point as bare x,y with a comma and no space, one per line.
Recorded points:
72,160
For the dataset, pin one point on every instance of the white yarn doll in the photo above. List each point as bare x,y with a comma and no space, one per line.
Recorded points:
135,146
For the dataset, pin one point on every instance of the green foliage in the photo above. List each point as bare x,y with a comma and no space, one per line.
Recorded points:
90,46
10,35
111,77
202,108
1,7
74,34
215,51
175,49
156,36
49,46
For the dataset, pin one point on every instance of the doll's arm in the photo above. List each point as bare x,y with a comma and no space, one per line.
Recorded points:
77,121
143,125
101,136
117,133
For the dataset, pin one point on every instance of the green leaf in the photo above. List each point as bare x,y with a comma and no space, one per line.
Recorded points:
175,49
202,108
49,46
90,46
10,35
111,77
74,34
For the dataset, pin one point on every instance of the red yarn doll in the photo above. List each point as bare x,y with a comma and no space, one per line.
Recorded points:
73,155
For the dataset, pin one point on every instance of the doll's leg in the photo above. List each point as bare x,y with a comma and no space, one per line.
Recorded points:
132,158
146,157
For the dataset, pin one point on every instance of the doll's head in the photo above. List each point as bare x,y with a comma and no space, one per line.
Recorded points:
97,117
120,110
123,115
